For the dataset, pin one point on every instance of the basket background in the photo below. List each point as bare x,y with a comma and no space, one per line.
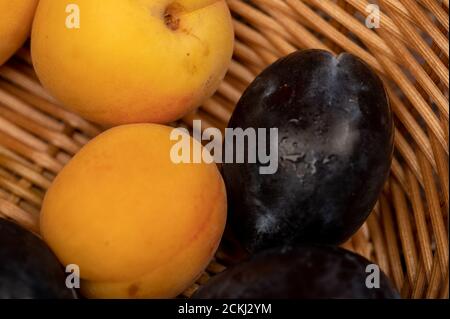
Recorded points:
407,234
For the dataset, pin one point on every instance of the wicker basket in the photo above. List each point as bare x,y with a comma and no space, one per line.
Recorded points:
407,234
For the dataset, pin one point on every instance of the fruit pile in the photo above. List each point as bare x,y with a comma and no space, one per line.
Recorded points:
139,225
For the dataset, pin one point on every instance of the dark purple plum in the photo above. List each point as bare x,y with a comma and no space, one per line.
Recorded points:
303,272
335,146
28,269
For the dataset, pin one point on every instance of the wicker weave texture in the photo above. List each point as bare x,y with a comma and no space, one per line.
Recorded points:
407,234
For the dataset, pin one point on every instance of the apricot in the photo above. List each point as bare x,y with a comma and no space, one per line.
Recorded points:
136,224
16,18
132,61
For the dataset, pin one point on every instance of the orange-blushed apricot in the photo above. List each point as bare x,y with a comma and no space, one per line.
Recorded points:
137,224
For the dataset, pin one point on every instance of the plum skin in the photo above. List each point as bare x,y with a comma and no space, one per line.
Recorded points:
28,268
335,150
302,272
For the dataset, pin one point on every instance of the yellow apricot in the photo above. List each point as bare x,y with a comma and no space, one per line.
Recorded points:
16,17
137,225
132,61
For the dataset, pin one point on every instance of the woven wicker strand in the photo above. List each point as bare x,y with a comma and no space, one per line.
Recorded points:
407,234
